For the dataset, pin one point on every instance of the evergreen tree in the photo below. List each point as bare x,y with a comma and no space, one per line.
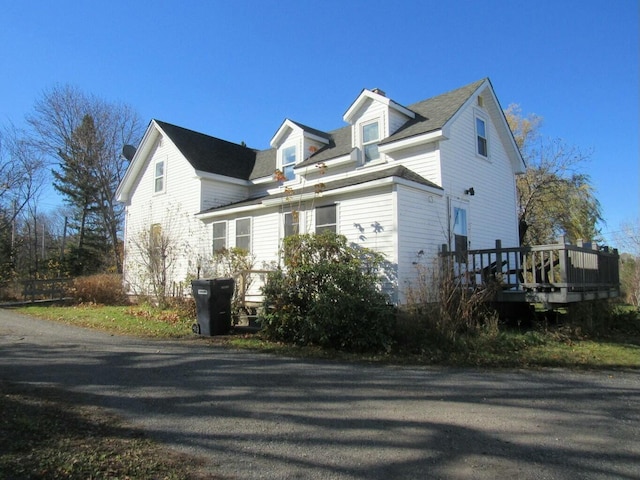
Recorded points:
86,134
77,180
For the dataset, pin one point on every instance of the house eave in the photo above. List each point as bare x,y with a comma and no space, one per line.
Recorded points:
221,178
295,198
330,162
414,141
229,211
290,126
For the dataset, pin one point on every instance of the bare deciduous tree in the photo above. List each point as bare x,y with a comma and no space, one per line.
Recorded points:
554,196
22,172
57,117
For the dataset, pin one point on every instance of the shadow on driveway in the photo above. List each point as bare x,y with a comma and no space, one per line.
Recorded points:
261,416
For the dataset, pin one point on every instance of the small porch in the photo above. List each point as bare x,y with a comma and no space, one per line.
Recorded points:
554,275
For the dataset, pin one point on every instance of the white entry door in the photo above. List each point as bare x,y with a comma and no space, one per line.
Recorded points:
459,231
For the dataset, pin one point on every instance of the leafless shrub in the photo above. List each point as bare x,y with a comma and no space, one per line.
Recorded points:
448,304
103,289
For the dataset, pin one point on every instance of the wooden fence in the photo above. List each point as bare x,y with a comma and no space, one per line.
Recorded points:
45,289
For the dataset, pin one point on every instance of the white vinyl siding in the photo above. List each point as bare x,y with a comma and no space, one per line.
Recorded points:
396,120
492,210
216,193
422,220
173,212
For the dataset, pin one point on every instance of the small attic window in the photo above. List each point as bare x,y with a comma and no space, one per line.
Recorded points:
370,138
158,179
480,101
481,137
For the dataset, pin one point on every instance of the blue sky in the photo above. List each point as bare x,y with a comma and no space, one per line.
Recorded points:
236,69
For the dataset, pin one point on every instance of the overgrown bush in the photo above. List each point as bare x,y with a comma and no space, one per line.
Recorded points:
104,289
601,317
327,295
442,306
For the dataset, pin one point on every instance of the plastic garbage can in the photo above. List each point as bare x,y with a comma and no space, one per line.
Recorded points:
213,305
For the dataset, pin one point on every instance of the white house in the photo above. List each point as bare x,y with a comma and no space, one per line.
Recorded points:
402,180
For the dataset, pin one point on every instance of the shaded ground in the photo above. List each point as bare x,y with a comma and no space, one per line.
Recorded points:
47,434
258,416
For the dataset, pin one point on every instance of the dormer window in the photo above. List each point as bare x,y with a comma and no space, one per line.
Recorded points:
288,162
370,138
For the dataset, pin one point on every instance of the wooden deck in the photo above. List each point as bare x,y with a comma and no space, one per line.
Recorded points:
557,274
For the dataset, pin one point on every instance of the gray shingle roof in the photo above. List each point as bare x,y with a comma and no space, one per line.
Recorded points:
431,114
218,156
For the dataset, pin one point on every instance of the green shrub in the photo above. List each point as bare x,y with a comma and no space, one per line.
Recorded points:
104,289
327,295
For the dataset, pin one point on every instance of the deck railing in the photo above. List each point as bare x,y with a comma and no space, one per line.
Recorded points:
557,273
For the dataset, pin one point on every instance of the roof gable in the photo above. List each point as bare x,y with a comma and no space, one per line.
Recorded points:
433,113
289,126
376,96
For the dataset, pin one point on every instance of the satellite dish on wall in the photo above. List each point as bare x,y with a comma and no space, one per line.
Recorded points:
128,151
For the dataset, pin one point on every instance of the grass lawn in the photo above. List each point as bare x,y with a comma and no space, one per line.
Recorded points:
508,349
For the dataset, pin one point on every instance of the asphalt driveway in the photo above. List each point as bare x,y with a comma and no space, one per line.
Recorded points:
260,416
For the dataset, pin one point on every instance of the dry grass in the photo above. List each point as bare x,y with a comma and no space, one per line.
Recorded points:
105,289
44,434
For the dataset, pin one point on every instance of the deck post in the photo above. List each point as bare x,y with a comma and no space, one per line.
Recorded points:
564,263
498,257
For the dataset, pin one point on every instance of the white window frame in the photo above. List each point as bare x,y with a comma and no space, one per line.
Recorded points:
162,178
295,225
478,137
319,228
248,235
223,238
366,144
284,166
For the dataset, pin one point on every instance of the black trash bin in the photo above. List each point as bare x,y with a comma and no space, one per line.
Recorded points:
213,305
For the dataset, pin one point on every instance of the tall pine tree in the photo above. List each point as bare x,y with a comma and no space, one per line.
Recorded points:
78,181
